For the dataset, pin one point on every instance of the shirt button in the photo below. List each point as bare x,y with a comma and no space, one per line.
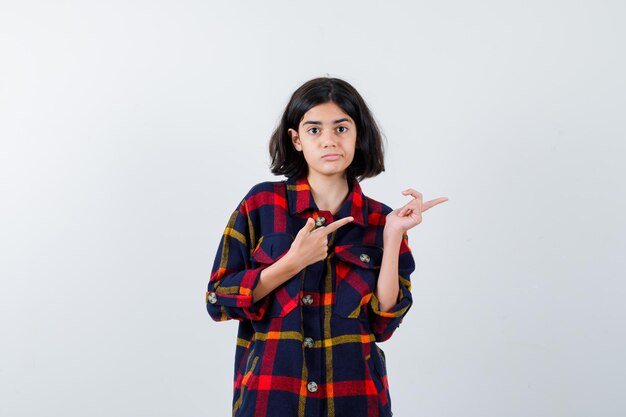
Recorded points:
308,342
212,298
311,386
307,299
364,257
320,221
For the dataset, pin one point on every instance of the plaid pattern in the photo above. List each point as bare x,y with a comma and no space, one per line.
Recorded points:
309,347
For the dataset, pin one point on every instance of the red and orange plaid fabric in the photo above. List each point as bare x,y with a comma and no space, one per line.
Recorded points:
309,347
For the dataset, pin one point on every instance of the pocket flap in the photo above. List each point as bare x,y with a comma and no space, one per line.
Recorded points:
364,256
272,247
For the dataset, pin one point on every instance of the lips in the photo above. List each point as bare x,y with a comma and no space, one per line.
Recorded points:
331,156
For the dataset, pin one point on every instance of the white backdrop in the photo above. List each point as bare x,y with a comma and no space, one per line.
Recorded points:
130,130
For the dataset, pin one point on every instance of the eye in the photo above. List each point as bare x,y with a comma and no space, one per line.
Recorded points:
313,128
343,127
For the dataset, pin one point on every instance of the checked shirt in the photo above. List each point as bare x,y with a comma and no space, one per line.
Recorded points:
308,348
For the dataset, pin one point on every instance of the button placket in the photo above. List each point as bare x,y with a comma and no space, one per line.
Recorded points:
308,342
311,386
307,299
320,221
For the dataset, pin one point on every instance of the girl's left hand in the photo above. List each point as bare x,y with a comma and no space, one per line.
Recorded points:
410,215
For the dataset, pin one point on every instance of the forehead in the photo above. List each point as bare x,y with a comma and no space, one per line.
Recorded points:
326,113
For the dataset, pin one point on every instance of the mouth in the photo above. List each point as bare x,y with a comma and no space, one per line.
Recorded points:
331,156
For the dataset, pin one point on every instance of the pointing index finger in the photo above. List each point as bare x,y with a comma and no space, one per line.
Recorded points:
336,225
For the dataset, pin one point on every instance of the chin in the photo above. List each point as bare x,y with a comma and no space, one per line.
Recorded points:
334,172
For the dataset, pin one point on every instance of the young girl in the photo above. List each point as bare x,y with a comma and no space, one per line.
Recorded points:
315,271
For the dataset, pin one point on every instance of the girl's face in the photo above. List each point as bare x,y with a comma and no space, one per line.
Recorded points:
327,137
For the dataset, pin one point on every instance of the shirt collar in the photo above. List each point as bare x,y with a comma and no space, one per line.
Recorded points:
300,198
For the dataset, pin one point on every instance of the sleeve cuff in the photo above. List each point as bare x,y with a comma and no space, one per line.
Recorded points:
240,297
399,309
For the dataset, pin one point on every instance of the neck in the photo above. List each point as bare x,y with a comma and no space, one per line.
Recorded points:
329,192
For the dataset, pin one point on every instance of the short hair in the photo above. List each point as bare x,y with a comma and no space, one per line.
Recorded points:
369,153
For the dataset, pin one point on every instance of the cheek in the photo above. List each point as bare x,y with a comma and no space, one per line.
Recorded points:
349,158
307,153
352,152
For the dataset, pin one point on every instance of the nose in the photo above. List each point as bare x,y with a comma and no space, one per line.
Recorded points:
329,139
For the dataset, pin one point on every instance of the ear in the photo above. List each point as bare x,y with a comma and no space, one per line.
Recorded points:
295,140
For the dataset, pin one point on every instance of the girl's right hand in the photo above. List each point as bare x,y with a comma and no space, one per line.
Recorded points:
311,245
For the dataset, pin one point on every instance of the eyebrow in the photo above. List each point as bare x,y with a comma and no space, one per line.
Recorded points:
315,122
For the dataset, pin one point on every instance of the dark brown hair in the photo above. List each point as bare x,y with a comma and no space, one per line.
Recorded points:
369,153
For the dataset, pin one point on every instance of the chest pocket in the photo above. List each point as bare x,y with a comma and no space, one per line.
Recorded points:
285,297
357,268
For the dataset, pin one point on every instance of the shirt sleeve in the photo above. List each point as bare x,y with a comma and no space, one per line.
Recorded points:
232,280
384,323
